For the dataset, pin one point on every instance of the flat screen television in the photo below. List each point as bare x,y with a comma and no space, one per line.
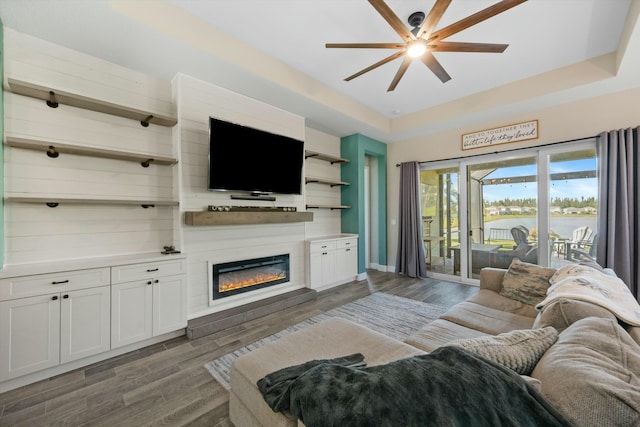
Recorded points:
245,159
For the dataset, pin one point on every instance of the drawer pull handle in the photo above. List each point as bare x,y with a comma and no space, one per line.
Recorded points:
324,253
65,296
151,270
60,282
54,298
347,250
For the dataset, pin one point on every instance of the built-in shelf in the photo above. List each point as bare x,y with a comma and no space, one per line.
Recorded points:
326,157
53,97
332,207
331,182
54,148
54,201
241,218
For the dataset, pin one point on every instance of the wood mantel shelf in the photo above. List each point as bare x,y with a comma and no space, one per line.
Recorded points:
242,218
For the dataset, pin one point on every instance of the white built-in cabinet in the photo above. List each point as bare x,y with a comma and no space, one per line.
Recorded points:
48,320
332,260
147,300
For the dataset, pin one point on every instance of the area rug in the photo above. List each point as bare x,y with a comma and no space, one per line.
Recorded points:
393,316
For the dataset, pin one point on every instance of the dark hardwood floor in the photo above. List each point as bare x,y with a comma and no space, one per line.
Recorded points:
166,384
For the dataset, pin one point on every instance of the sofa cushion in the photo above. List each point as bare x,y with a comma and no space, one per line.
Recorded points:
518,350
592,374
527,283
496,301
564,312
485,319
439,333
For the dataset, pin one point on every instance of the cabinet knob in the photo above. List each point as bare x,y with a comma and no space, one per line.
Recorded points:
156,281
149,282
54,298
65,296
347,250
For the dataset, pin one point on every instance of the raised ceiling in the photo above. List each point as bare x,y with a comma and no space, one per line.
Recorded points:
274,51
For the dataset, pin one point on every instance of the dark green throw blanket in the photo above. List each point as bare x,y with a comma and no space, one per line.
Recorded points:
448,387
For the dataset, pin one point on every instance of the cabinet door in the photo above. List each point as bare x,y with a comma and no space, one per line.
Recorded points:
85,323
346,263
169,304
131,312
29,335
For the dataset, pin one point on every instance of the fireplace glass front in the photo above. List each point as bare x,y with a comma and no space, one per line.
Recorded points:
232,278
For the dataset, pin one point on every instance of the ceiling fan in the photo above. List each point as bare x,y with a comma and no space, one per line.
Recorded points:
423,39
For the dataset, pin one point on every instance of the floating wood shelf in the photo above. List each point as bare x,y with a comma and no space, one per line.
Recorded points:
325,157
53,201
241,218
332,207
331,182
52,148
53,97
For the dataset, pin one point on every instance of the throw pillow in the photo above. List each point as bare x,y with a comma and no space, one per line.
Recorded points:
518,350
592,374
563,312
527,283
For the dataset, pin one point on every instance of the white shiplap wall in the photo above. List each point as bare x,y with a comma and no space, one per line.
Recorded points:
36,233
196,101
325,221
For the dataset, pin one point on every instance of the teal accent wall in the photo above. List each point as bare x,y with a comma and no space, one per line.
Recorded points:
356,148
1,146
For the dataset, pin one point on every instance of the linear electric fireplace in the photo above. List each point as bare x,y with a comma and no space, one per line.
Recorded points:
233,278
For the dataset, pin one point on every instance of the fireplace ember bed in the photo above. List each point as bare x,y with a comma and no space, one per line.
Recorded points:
233,278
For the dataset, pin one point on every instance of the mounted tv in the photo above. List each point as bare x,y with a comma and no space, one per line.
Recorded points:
245,159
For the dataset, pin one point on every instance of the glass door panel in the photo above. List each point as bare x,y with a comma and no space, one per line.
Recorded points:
573,202
502,213
440,220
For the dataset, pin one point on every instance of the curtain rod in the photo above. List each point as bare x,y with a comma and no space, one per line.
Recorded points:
506,151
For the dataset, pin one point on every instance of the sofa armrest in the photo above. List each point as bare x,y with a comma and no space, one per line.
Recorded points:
491,278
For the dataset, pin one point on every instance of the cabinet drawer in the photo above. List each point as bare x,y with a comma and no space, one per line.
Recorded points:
131,272
316,247
40,284
346,243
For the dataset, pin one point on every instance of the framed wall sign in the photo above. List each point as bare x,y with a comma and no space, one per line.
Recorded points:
502,135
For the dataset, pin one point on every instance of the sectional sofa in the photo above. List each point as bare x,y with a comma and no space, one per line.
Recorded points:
578,348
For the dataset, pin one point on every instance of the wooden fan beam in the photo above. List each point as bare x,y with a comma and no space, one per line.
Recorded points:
430,22
393,20
403,68
376,65
474,19
366,45
432,63
467,47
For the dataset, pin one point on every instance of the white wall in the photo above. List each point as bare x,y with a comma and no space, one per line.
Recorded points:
325,221
196,101
36,233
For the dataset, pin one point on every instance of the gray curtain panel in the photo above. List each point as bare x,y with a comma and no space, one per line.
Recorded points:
410,259
617,245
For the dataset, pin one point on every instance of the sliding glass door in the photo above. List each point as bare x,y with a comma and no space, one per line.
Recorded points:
538,205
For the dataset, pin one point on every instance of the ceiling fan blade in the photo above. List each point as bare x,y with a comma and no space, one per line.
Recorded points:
366,45
392,19
433,18
467,47
374,66
432,63
477,17
403,68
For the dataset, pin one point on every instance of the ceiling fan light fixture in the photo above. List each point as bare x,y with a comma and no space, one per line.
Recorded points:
416,48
